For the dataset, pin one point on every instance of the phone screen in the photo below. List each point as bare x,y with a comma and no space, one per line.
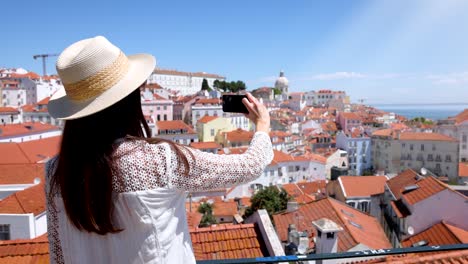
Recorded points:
233,103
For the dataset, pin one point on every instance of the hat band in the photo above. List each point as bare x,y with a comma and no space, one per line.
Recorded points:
100,82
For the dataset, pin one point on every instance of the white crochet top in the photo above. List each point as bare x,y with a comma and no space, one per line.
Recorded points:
150,203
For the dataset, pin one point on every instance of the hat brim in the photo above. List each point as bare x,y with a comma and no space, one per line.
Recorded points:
63,107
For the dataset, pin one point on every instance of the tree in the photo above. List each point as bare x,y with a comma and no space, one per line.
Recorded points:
232,87
270,199
205,86
276,91
207,219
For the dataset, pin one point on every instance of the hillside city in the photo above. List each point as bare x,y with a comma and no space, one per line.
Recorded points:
345,176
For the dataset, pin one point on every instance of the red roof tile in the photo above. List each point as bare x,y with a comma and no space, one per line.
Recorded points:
210,101
11,153
205,145
30,200
25,129
31,251
448,257
41,149
174,125
438,234
427,187
206,119
180,73
399,182
239,135
224,208
463,169
350,116
21,173
461,117
44,101
370,233
227,242
362,186
425,136
193,219
8,110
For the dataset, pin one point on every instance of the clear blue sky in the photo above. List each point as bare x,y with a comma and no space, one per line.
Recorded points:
384,51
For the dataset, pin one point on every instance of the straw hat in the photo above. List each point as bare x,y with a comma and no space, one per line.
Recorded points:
95,75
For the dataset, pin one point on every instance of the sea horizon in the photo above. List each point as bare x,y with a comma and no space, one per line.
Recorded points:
434,111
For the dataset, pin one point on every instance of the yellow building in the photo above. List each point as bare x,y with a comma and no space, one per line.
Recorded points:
209,126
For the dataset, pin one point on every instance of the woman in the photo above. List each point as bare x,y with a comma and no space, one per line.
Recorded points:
114,194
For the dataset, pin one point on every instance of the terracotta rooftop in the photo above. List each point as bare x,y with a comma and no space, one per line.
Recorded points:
223,208
206,119
399,182
193,219
329,126
44,101
31,251
29,151
29,108
27,128
358,227
350,115
27,201
227,242
21,173
304,192
362,186
383,133
205,145
427,187
463,169
425,136
8,110
215,101
442,233
238,135
174,125
41,149
461,117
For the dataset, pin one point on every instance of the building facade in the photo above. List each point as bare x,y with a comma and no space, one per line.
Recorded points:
185,83
358,147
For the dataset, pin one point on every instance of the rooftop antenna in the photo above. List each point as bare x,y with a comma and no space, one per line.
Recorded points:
44,57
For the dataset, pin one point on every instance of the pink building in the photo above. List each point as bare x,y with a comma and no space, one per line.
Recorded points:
156,106
349,120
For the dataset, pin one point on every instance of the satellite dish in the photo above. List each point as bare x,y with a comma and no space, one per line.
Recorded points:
301,249
37,180
423,171
410,230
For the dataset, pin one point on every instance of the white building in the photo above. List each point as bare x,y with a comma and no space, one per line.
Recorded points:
46,86
9,115
456,127
324,97
23,214
184,82
358,147
28,131
18,91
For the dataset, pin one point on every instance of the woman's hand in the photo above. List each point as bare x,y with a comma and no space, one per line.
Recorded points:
258,113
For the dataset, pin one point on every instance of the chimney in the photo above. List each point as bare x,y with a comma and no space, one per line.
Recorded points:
292,206
298,242
327,236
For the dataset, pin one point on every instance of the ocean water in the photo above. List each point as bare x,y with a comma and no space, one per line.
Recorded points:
431,111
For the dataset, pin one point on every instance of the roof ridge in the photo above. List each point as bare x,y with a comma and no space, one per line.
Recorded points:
341,217
19,203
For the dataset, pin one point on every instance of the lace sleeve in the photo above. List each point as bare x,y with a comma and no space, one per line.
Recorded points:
55,250
211,171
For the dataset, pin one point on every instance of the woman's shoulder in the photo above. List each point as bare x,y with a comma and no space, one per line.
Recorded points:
139,146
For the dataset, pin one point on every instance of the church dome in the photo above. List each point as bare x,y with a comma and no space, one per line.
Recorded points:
281,81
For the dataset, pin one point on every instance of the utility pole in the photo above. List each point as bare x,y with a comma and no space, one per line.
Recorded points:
44,57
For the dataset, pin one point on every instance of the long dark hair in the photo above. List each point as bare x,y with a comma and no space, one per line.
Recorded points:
83,174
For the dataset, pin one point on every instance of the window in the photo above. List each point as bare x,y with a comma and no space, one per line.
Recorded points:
165,117
430,157
212,132
411,146
464,138
433,147
159,117
4,232
165,107
422,147
331,235
448,158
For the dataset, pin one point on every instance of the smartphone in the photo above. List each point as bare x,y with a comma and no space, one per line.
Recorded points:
232,103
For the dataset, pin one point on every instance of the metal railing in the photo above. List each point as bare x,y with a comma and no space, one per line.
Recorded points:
342,255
